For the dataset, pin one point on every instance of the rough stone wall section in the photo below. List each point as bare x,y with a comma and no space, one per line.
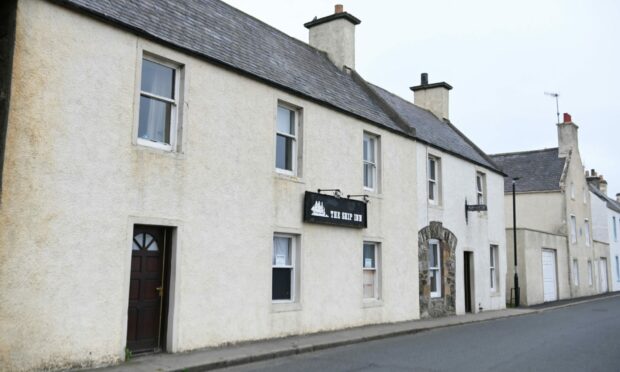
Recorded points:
444,305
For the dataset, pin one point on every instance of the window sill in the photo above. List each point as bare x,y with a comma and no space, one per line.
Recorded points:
281,307
159,151
373,194
371,302
496,294
435,206
288,177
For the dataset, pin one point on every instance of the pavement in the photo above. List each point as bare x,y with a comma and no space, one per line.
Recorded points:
249,352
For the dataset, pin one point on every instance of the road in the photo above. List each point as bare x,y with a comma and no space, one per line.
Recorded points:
584,337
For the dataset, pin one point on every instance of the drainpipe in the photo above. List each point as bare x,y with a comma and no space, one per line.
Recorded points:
514,237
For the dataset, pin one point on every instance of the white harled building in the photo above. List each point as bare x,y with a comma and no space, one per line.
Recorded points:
180,175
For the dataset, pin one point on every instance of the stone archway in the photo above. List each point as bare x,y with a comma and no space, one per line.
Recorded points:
444,305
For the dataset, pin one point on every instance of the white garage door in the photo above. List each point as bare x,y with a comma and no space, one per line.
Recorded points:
550,291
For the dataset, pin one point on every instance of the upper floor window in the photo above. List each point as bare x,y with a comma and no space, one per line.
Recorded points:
481,188
586,224
573,229
370,161
159,102
433,179
613,222
590,274
287,135
572,190
434,267
575,272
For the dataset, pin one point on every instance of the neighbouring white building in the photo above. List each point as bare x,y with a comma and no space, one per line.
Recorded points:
179,175
557,255
606,228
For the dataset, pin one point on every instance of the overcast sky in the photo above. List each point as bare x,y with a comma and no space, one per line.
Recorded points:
499,56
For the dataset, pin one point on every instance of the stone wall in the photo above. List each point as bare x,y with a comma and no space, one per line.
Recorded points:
444,305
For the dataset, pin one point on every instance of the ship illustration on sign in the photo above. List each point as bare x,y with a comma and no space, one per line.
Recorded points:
318,209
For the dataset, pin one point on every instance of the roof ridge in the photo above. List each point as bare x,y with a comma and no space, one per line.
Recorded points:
524,152
303,43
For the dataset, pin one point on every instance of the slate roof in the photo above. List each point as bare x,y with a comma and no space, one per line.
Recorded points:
611,203
231,38
538,170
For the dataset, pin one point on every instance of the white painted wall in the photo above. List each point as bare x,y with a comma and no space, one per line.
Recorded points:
75,184
603,220
458,183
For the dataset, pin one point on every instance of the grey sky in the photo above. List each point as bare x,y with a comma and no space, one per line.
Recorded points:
499,56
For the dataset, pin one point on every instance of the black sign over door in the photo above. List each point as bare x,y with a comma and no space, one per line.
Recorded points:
330,210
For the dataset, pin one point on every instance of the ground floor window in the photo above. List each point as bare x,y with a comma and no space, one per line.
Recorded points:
283,267
370,269
434,267
493,268
617,269
590,275
575,272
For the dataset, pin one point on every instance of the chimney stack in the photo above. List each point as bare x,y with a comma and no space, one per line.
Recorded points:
434,97
568,137
593,179
335,35
602,185
618,197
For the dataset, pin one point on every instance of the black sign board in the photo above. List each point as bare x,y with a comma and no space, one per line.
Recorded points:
330,210
476,208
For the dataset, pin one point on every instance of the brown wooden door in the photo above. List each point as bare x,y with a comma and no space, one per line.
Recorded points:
146,289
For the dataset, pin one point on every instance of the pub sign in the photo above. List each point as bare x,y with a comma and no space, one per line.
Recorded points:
330,210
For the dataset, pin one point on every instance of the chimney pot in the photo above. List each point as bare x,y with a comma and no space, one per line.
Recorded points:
339,8
424,79
567,118
618,197
593,173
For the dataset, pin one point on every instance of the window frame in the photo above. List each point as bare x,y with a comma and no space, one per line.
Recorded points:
617,268
438,276
174,103
436,200
293,267
575,272
613,221
481,195
586,223
376,270
375,165
572,190
295,138
590,274
493,267
573,228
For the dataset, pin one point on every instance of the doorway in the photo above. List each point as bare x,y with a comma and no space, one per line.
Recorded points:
467,283
148,289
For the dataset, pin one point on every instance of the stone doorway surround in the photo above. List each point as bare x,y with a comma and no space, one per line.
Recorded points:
444,305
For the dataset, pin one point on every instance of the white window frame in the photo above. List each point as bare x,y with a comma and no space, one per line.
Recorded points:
376,269
481,195
613,221
435,183
292,266
374,165
437,269
295,148
175,103
493,267
590,274
586,224
573,229
617,269
575,272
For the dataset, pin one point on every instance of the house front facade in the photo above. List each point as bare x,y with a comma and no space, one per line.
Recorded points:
217,182
606,227
556,252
